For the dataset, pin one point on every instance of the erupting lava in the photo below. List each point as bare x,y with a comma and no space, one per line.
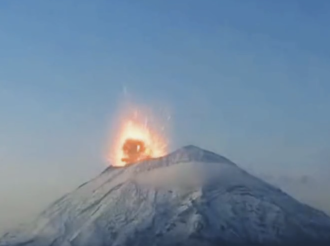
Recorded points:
137,140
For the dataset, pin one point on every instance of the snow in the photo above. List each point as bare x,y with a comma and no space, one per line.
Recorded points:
190,197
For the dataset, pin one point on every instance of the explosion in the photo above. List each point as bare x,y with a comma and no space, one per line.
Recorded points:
137,139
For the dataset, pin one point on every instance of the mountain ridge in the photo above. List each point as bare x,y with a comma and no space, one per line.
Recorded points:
189,197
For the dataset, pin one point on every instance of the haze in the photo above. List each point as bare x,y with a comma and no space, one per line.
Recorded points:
246,79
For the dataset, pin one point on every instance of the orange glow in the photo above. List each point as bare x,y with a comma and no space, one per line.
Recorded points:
137,133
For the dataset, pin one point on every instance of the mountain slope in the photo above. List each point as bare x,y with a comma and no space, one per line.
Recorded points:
190,197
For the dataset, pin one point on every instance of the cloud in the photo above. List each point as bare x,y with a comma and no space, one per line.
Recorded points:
309,189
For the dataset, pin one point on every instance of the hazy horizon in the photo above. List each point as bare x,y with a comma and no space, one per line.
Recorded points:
246,79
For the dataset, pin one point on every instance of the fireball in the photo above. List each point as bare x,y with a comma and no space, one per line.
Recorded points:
137,139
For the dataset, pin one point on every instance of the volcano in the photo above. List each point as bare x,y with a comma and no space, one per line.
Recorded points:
191,197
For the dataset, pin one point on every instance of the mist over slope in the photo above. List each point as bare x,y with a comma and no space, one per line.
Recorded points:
189,197
308,187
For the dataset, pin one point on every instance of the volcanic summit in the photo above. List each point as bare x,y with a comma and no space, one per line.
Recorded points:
191,197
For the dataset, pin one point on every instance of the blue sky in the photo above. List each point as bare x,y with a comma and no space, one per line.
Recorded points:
247,79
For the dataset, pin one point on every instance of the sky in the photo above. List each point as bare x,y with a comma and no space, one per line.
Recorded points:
246,79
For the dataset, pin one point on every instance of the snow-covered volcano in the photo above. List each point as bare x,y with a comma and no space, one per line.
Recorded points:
191,197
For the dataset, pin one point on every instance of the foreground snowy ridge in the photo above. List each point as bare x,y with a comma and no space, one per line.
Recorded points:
191,197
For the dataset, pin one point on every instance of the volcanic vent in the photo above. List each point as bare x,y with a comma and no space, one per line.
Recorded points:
135,150
139,136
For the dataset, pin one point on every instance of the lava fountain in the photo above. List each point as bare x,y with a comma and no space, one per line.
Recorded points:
138,138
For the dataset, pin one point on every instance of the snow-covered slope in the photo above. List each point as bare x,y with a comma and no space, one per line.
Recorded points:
191,197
